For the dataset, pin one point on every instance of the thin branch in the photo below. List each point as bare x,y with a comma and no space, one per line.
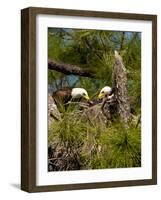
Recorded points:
122,41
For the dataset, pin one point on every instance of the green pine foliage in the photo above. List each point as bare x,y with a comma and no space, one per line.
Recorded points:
98,146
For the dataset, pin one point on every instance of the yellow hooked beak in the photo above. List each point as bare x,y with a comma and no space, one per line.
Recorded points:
101,95
86,97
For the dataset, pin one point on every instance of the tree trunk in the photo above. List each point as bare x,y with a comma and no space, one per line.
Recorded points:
120,89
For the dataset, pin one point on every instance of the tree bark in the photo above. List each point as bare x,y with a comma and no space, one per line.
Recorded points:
70,69
120,89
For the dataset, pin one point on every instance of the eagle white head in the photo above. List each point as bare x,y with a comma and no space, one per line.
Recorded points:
104,92
77,93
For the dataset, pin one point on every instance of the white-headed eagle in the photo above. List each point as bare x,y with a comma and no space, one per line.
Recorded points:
66,94
106,92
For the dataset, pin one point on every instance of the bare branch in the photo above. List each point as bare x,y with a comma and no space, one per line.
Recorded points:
70,69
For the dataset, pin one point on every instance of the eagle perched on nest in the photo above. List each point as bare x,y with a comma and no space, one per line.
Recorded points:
67,94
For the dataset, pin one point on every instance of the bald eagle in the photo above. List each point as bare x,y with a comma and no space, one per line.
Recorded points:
65,95
106,92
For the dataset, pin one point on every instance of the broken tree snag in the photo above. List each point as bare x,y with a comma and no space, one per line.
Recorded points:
120,89
70,69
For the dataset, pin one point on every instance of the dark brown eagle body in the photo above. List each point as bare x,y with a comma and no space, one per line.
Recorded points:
62,95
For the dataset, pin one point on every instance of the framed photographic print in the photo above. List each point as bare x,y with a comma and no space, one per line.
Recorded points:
89,99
